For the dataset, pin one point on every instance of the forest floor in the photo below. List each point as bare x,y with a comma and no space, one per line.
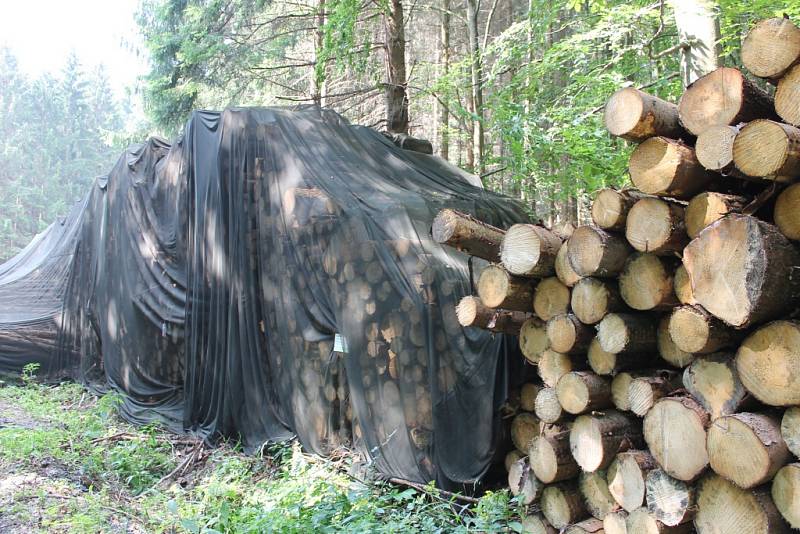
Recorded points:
68,463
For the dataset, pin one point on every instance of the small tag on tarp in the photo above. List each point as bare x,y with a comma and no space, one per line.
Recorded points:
339,343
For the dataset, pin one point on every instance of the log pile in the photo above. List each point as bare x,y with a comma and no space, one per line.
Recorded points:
664,333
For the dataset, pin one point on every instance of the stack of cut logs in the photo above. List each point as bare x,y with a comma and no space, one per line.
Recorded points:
663,333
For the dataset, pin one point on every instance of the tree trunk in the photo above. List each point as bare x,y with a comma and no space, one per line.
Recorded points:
396,82
754,510
592,299
768,149
550,298
595,252
646,283
627,332
665,167
675,432
786,493
444,62
548,409
669,500
610,208
498,289
568,335
714,383
562,504
698,28
476,70
319,78
471,312
465,232
529,250
771,48
581,392
626,478
596,439
635,116
550,458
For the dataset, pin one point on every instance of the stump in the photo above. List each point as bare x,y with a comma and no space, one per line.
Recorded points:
768,363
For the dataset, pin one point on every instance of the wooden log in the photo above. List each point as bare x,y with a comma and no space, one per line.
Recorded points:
683,286
619,391
550,298
608,363
669,500
466,233
667,348
742,271
722,507
611,206
529,250
626,478
790,429
564,270
548,409
713,382
595,252
723,97
641,521
522,483
627,332
562,504
550,457
524,427
537,524
553,365
768,363
665,167
787,97
786,493
527,396
568,335
635,116
596,439
746,448
768,149
512,457
771,47
707,208
533,339
614,523
594,488
581,392
470,311
593,298
714,150
696,331
675,432
656,226
587,526
646,283
644,391
499,289
787,212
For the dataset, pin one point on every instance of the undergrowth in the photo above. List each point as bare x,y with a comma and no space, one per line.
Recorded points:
103,475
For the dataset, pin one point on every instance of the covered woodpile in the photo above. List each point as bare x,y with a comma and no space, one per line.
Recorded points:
665,333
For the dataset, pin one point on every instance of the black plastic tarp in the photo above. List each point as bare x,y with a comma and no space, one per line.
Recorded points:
272,274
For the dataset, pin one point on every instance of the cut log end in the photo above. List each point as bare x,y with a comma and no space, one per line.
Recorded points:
595,252
614,523
626,478
619,332
656,226
683,286
717,498
768,362
578,392
786,493
610,209
790,429
529,250
787,214
771,47
564,270
568,335
592,299
550,298
714,148
594,488
647,283
662,166
675,432
635,115
713,381
787,97
464,232
533,339
499,289
595,440
707,208
547,407
669,500
562,504
766,148
695,331
524,427
551,459
522,483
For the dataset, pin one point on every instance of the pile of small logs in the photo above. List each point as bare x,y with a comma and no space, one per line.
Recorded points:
664,333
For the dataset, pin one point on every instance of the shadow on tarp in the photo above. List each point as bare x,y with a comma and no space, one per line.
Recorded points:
271,274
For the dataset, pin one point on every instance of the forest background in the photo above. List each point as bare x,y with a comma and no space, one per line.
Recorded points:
512,90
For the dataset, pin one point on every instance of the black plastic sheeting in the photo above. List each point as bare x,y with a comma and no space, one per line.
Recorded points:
272,274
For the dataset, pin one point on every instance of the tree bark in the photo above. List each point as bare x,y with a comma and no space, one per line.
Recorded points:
396,82
444,62
698,27
476,70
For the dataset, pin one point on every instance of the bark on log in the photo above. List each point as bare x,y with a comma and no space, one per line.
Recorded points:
743,271
596,439
581,392
611,206
568,335
790,429
646,283
693,330
564,270
675,432
787,212
722,507
707,208
656,226
499,289
594,488
626,478
723,97
562,504
667,348
787,97
522,483
641,521
587,526
665,167
786,493
550,457
746,448
608,363
771,47
553,365
627,332
548,409
768,363
592,299
645,391
524,427
529,250
470,311
768,149
550,298
595,252
533,339
713,382
635,116
465,232
669,500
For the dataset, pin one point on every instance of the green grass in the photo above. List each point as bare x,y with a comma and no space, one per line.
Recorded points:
107,477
